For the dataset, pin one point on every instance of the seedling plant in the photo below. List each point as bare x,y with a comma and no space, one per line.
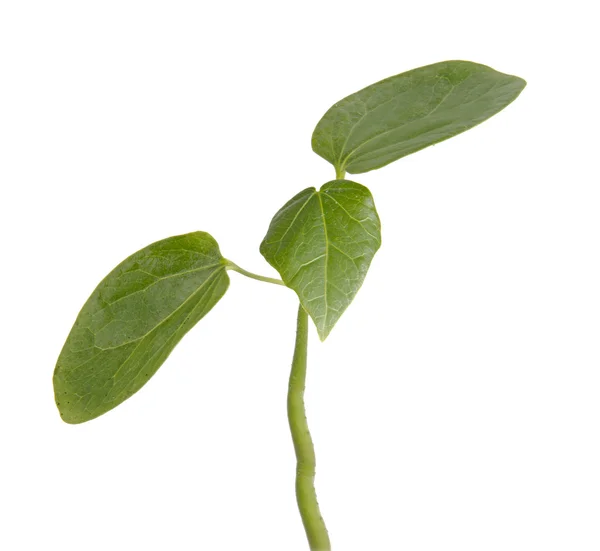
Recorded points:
321,242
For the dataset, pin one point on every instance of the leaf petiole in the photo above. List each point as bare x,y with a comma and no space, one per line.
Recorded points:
232,266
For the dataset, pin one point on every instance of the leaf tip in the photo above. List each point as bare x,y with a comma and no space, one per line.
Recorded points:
323,330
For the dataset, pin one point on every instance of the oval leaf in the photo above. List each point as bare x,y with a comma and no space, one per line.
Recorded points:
322,243
408,112
133,320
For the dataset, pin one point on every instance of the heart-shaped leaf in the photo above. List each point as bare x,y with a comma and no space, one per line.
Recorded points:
405,113
322,243
133,320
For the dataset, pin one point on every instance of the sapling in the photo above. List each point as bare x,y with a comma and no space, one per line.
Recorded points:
321,242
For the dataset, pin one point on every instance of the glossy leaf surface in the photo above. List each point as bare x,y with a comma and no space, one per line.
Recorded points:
322,243
410,111
133,320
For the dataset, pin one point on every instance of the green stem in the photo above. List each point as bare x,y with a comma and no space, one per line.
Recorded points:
316,532
340,173
232,266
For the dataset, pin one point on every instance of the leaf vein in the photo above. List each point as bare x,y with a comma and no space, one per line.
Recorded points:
169,316
360,222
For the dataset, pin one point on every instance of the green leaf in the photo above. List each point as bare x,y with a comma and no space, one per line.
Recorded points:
133,320
405,113
322,243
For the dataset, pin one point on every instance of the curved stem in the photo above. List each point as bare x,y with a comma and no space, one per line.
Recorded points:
236,268
316,532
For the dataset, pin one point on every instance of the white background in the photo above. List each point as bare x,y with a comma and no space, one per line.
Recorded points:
456,404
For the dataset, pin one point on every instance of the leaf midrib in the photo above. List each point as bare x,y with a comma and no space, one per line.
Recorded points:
496,86
420,119
325,278
158,280
159,324
169,316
